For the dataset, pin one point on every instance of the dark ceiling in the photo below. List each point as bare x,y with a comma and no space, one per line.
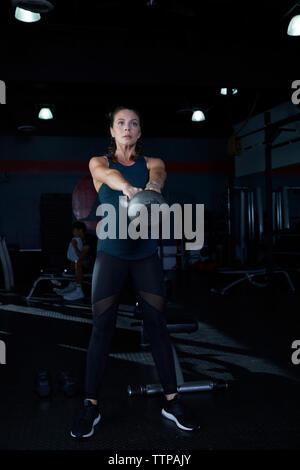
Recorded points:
85,57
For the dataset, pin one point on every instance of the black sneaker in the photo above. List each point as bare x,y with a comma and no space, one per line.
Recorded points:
88,418
173,410
68,383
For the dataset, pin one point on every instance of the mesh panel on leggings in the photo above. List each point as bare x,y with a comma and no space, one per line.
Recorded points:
156,301
102,305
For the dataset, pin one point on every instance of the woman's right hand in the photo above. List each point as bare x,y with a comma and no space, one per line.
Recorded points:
130,191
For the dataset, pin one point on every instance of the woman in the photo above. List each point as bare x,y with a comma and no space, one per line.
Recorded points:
124,173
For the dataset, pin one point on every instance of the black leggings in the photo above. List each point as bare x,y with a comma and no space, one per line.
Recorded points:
109,276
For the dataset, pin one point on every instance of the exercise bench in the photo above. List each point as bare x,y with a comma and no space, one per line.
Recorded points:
177,322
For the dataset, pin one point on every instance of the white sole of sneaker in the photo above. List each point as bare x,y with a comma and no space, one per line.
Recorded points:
173,418
62,292
96,421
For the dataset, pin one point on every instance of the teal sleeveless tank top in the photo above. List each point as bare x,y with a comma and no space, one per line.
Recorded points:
137,175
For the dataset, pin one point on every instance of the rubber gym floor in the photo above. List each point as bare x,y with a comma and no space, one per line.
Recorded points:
244,337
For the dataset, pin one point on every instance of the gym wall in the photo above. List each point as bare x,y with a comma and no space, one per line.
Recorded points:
36,165
250,166
286,159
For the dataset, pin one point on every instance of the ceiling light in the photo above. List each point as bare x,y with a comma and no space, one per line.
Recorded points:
225,90
30,11
294,26
26,16
45,113
198,116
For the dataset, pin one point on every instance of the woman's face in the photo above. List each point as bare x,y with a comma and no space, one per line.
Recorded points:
126,128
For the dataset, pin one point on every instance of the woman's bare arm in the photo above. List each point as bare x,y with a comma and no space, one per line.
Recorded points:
101,172
157,174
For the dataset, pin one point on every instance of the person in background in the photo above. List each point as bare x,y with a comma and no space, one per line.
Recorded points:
77,254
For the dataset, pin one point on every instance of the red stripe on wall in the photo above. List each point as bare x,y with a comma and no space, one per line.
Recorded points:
47,166
283,170
287,170
68,166
197,167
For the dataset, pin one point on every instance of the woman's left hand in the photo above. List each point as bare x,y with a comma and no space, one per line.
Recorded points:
153,187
